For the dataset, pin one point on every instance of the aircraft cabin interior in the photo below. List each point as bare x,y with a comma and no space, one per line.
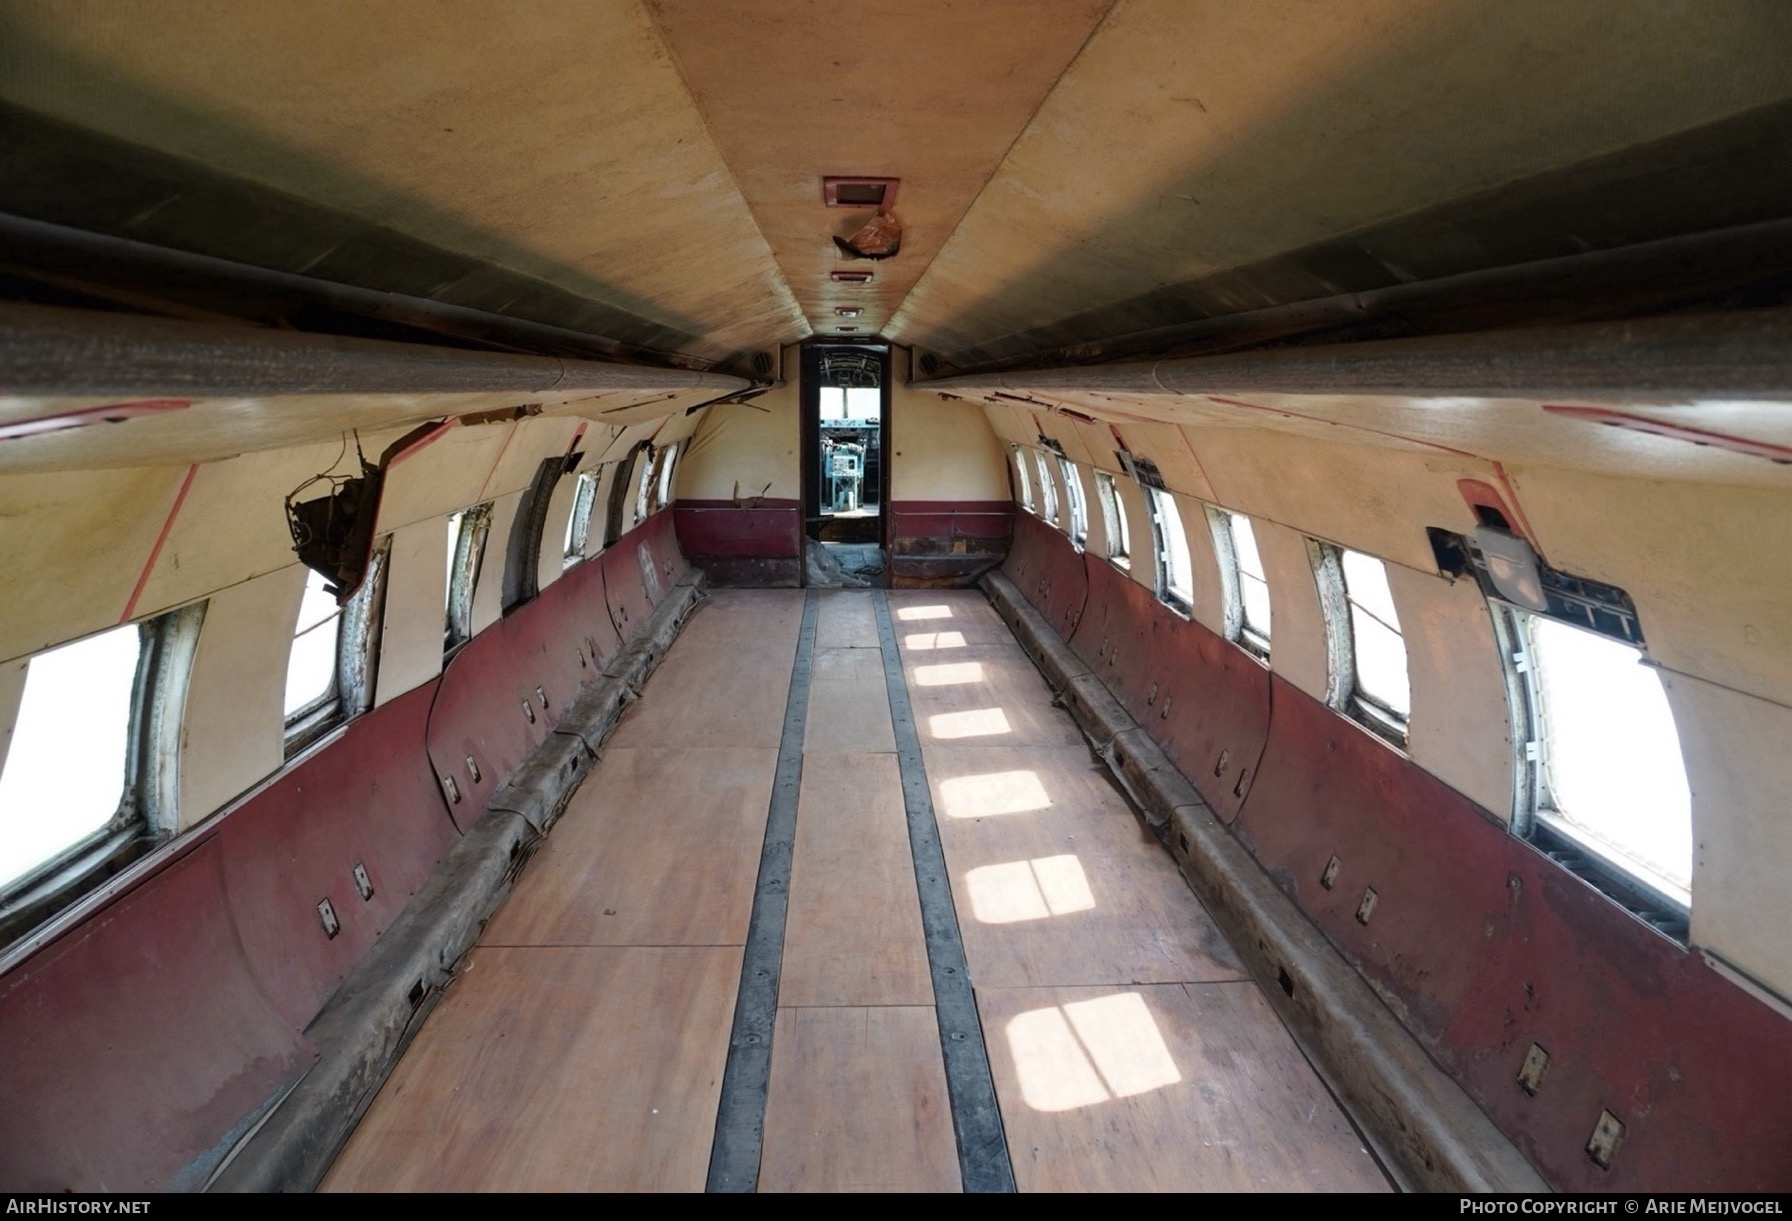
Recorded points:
1012,595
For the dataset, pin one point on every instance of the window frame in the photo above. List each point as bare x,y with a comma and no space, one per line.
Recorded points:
662,495
1536,817
350,692
147,813
1078,525
1026,483
1117,535
578,520
1157,497
1344,691
1221,524
644,484
470,537
1048,490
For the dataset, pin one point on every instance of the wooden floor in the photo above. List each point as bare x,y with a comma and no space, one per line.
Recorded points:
583,1046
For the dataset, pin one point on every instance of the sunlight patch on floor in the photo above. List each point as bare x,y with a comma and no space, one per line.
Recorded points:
1029,890
1089,1052
993,793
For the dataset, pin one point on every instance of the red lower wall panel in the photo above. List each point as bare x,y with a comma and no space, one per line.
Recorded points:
135,1046
367,798
1049,571
1486,946
944,542
721,529
1482,944
1199,696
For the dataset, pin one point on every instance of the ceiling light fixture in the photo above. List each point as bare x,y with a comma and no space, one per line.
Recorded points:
848,311
850,277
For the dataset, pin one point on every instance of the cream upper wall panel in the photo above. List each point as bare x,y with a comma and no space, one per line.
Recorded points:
1256,129
1297,645
554,140
1210,596
411,631
551,555
943,450
72,546
1460,729
1011,425
746,449
1740,773
1143,567
443,477
1365,497
532,442
233,731
232,525
1178,461
1710,568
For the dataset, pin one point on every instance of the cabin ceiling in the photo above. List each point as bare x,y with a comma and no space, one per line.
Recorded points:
1072,172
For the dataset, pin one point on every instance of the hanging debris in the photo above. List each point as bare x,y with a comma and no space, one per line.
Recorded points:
332,534
880,238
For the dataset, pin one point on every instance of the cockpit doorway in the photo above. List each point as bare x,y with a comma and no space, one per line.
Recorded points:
845,396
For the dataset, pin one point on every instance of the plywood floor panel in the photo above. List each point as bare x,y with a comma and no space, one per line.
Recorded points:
849,705
556,1069
658,847
858,1102
853,935
845,619
1163,1088
985,695
1057,881
725,681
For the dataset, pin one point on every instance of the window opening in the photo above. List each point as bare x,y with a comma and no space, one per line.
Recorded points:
89,772
1113,520
1378,647
1175,571
311,665
467,532
522,552
1246,588
1026,484
65,771
578,522
1048,492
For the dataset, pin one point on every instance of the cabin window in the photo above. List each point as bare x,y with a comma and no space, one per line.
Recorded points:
663,496
87,763
328,666
1048,491
1026,484
1073,497
1368,653
578,522
1175,571
1113,520
1244,585
1606,774
467,532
